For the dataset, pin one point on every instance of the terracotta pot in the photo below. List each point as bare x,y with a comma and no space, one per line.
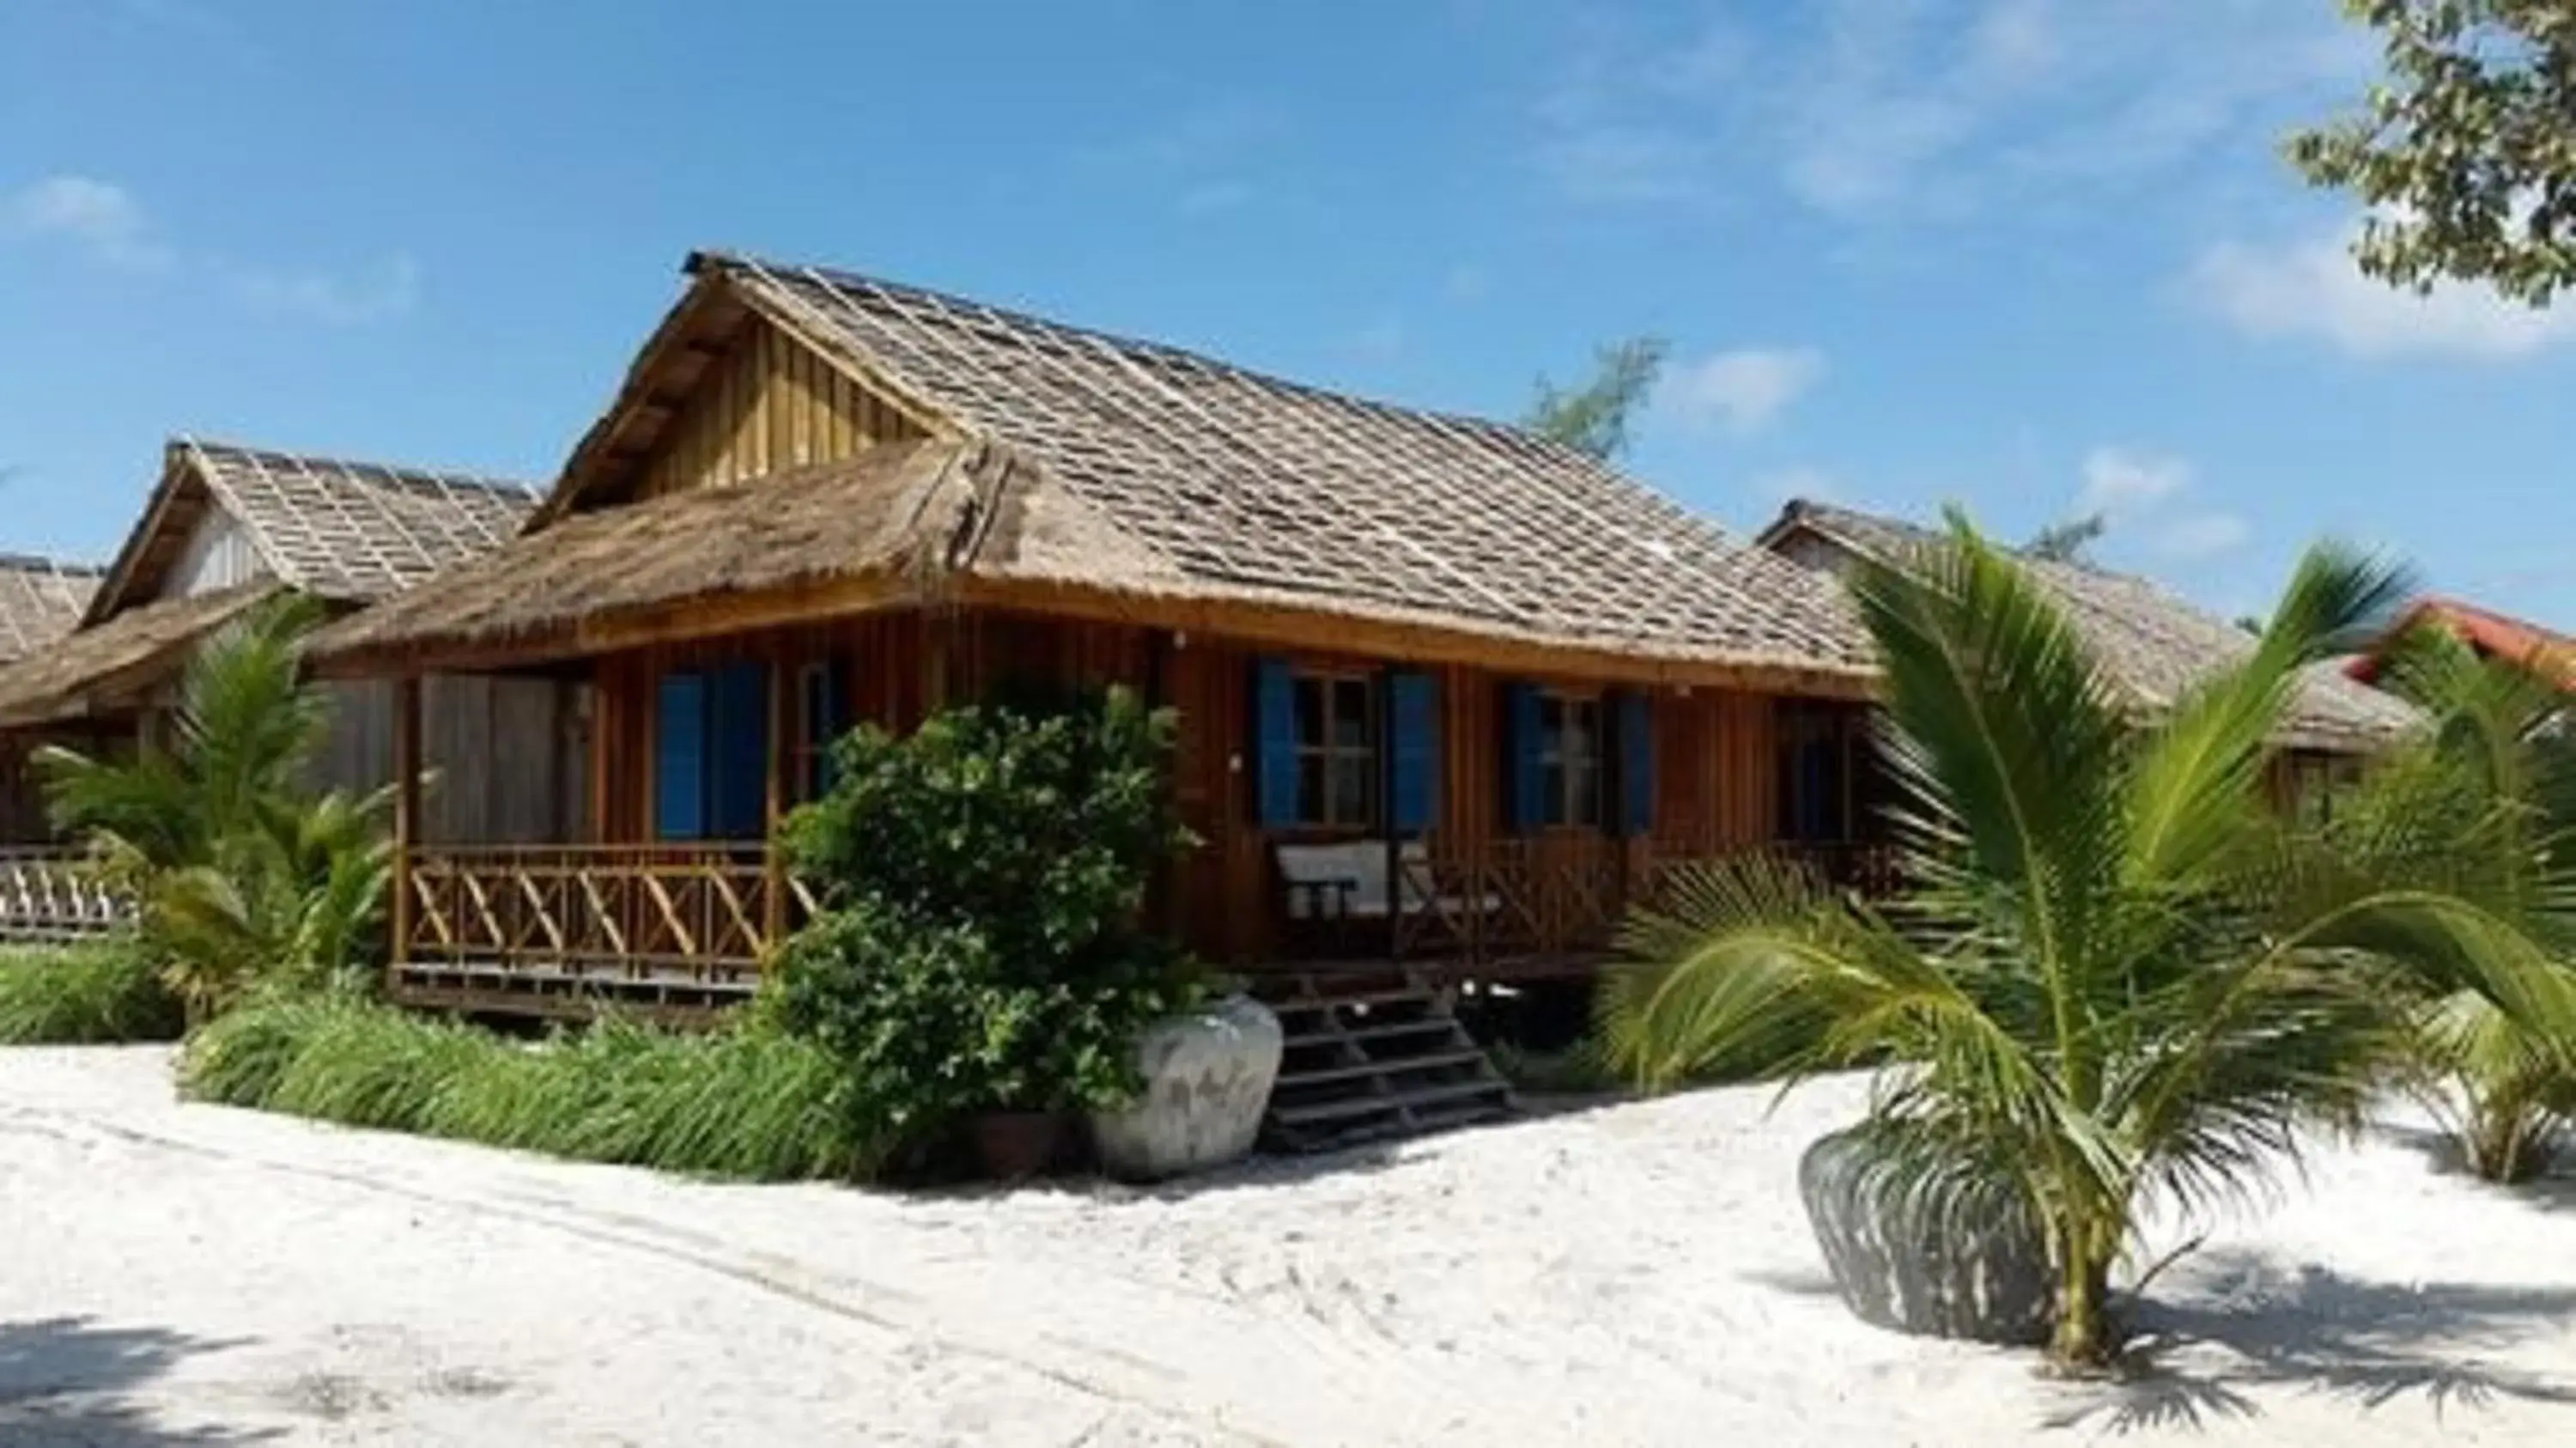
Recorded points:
1016,1145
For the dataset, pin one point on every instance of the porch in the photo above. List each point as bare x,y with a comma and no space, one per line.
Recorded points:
50,895
679,931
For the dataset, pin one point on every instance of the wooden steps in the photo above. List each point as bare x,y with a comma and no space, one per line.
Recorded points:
1372,1056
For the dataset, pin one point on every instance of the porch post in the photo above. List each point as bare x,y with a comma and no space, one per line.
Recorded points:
1386,811
406,813
773,860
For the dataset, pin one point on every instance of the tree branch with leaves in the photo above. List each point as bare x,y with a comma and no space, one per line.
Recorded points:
2465,151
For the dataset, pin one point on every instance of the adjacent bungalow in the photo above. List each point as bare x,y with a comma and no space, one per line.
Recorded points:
2151,643
1450,695
2491,634
227,527
40,602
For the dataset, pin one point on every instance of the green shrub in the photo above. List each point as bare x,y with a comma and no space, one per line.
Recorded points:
94,992
983,878
735,1103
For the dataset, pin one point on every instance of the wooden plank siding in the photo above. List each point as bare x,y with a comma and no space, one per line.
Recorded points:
1715,751
766,405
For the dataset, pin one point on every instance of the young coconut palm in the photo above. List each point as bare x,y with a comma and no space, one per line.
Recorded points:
2117,980
241,875
2483,804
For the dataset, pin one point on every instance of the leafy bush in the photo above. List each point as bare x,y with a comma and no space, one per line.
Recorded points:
95,992
243,878
982,879
736,1103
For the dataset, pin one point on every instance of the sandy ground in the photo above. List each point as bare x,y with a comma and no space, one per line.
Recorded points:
1632,1274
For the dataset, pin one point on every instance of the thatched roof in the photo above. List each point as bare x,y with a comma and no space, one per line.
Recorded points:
344,532
1151,473
40,601
106,667
2152,643
349,532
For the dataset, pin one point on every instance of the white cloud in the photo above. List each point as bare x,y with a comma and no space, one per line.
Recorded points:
2203,535
2312,290
387,292
101,217
2148,499
1901,112
1741,390
2118,481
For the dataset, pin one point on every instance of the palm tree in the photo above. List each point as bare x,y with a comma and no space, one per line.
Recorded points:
240,873
2484,803
2118,977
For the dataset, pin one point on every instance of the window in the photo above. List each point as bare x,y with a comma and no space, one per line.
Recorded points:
711,754
1818,748
1336,734
2315,780
1569,760
822,717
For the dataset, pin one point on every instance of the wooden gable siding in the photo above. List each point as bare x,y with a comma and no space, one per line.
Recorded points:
1715,750
218,554
767,404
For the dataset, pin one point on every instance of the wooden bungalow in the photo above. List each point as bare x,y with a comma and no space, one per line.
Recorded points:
2153,645
2491,635
227,527
41,601
1451,696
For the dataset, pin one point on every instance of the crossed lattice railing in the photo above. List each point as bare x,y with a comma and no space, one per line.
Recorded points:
1564,895
710,913
53,894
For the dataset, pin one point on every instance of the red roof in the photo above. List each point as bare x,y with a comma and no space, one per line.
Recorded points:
2493,634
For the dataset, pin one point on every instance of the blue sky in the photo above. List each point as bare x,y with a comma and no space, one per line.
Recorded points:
2027,254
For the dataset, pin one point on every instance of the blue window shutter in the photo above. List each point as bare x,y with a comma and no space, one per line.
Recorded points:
679,758
738,752
1521,779
1274,742
1413,701
1636,726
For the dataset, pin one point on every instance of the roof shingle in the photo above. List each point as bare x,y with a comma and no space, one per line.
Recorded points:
40,601
353,531
1223,482
2153,644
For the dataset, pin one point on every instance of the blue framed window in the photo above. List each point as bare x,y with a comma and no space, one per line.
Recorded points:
711,754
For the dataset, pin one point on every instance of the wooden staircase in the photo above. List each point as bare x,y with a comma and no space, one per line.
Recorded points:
1372,1055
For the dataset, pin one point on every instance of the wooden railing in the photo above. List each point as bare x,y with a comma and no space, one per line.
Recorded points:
1546,902
55,894
702,916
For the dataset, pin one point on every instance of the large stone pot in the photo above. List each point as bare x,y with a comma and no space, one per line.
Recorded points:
1207,1081
1903,1264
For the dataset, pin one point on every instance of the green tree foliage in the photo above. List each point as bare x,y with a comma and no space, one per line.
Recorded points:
982,879
2466,149
1594,418
242,876
2484,804
2068,541
2121,979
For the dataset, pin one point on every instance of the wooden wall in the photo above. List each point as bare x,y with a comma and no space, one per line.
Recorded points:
509,757
1714,767
767,404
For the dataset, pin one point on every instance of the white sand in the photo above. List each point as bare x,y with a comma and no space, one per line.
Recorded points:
1636,1274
